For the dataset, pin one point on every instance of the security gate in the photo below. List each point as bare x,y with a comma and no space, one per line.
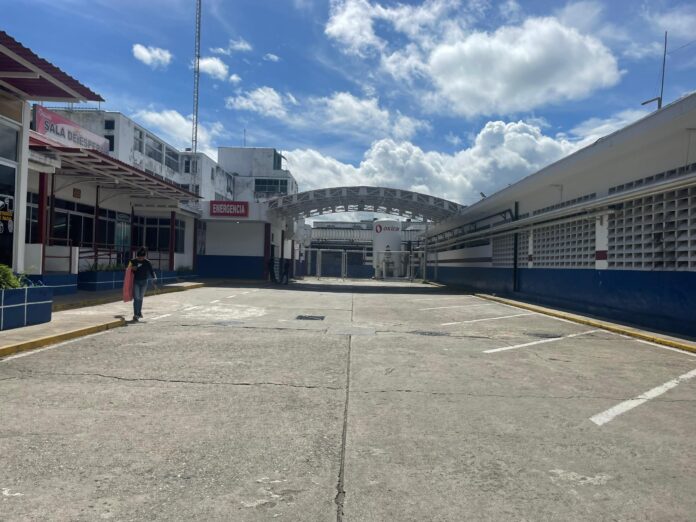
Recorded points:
358,264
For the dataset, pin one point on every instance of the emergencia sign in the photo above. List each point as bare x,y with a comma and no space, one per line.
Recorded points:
229,208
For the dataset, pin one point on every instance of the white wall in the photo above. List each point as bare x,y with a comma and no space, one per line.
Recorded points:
232,239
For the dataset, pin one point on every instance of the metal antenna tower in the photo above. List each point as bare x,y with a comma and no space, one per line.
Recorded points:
196,79
659,98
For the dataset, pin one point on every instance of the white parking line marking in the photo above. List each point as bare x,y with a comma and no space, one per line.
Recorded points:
216,301
443,298
623,407
32,352
540,313
649,343
456,306
553,339
230,296
191,308
486,319
160,317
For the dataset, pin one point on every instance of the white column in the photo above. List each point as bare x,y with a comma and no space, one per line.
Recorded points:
20,201
602,242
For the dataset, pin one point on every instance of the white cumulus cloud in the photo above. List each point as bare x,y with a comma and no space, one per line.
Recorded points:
240,45
270,57
342,113
215,67
520,66
154,57
264,100
501,153
517,68
235,78
175,128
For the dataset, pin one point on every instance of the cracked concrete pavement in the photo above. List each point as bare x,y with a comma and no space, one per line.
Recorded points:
223,406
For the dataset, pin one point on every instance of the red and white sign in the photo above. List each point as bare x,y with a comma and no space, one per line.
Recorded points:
386,228
229,208
66,132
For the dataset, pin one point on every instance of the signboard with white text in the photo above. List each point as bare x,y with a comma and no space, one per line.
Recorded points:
66,132
229,208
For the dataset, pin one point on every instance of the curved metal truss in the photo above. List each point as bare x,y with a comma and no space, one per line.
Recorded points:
364,199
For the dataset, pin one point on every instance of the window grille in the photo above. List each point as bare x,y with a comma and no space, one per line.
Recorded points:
565,245
523,249
656,232
503,251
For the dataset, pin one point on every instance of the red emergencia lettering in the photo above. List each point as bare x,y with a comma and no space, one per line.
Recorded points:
229,208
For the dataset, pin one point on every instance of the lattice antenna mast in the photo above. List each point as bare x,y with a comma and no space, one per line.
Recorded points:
196,78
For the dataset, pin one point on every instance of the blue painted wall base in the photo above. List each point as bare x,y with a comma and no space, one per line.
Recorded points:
659,300
25,306
61,284
233,267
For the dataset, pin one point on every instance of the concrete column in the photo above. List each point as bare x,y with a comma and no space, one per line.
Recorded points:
266,249
95,231
602,242
20,195
172,239
194,255
43,195
530,256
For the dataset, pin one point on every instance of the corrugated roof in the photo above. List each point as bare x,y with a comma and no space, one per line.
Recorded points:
112,172
28,75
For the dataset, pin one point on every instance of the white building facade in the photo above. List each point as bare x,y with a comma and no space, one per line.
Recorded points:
608,230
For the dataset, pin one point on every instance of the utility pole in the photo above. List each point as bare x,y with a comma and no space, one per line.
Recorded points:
662,83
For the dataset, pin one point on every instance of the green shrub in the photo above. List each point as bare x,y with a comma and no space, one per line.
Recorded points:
8,279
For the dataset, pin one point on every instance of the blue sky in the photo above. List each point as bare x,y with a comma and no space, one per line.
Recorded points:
449,97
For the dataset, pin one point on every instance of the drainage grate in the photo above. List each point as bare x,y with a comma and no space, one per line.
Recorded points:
310,317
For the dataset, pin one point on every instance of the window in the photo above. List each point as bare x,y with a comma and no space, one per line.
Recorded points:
271,186
60,227
9,138
187,166
171,159
277,161
153,148
75,232
32,232
212,173
179,244
138,140
109,124
110,139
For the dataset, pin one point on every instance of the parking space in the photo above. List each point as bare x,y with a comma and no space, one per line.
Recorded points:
385,402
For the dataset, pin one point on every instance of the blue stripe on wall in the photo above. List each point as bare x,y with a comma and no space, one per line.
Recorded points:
660,300
236,267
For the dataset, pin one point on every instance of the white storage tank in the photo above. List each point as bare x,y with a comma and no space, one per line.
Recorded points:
386,248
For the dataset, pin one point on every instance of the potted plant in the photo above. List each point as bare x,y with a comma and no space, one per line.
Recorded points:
22,304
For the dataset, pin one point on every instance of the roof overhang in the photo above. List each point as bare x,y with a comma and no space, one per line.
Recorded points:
105,171
30,77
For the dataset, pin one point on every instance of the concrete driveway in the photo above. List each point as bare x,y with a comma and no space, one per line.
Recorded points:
388,402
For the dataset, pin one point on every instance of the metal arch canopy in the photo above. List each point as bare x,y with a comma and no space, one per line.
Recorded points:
364,199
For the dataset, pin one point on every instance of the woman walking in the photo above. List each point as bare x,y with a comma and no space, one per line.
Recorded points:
142,270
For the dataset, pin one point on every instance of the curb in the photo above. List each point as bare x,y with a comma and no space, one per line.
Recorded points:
611,327
59,307
57,338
